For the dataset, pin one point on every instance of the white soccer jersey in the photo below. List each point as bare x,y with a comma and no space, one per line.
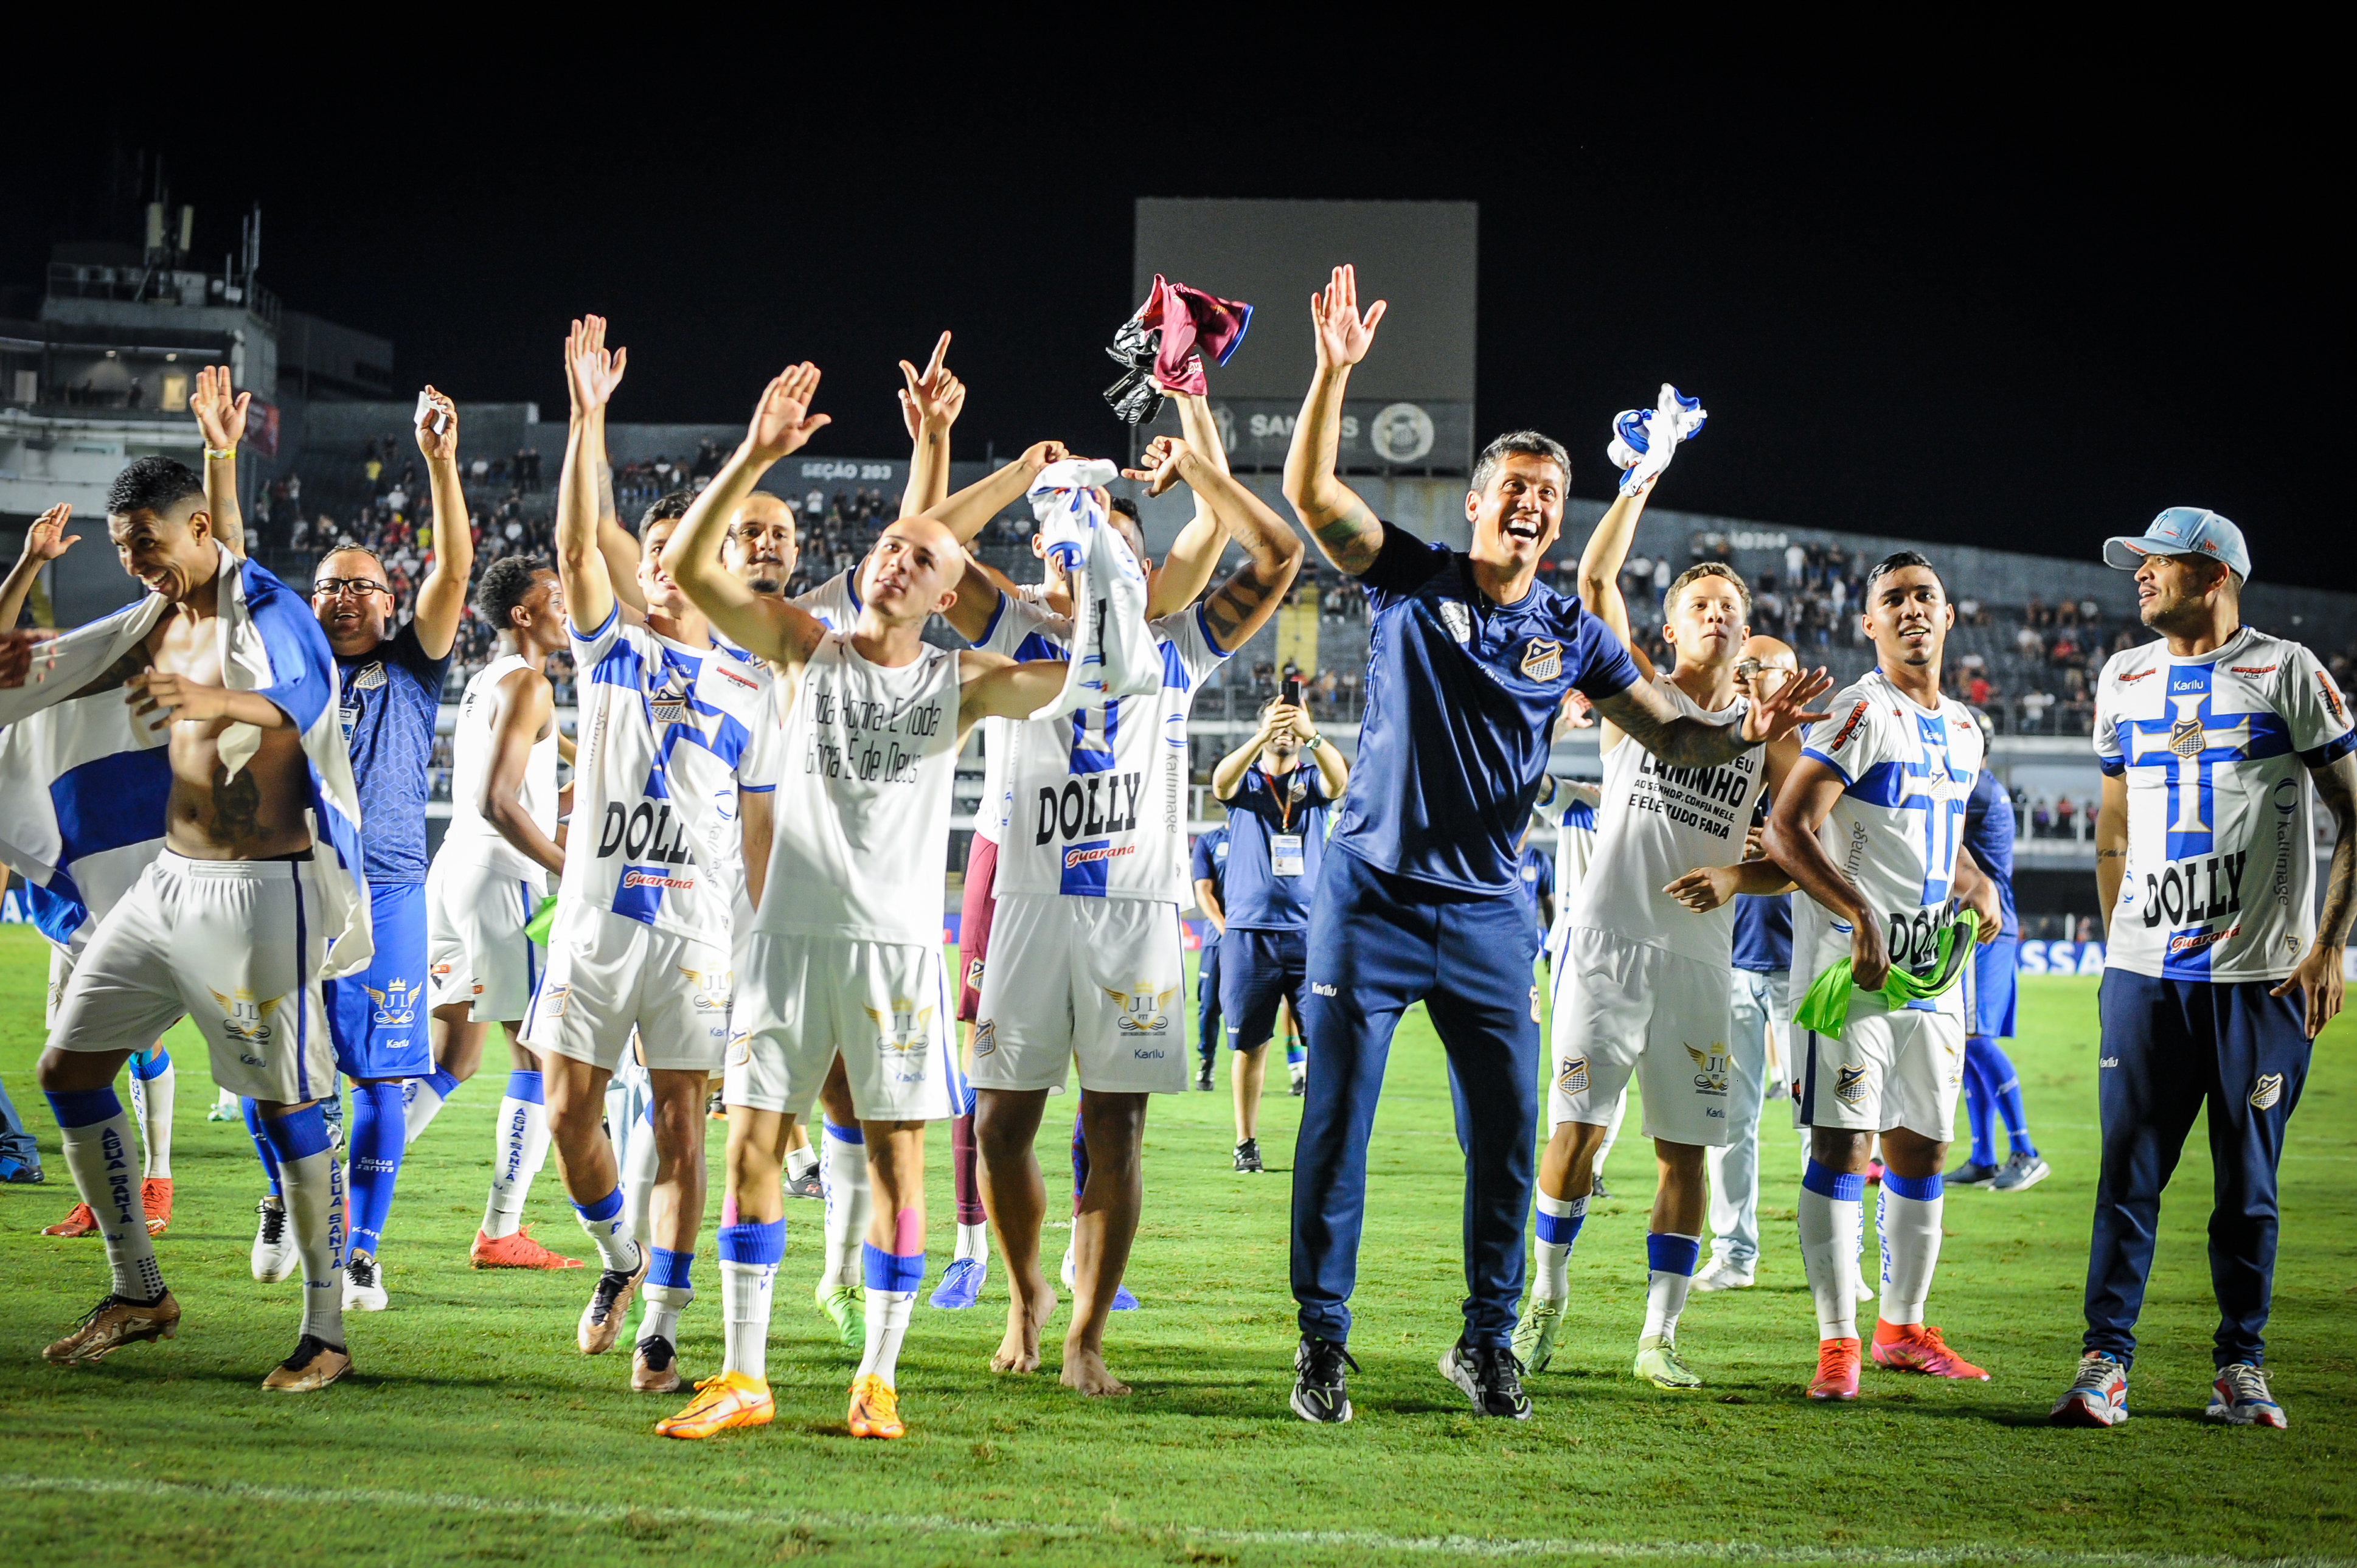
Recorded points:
860,847
1655,823
1895,828
1097,802
665,730
2221,881
471,835
998,733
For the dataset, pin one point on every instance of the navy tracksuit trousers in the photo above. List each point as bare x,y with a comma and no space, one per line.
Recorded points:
1378,944
2171,1047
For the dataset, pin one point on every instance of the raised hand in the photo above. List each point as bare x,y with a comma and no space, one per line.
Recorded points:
782,420
1773,717
1039,454
1576,712
1343,336
591,372
442,447
932,401
1160,464
220,413
47,539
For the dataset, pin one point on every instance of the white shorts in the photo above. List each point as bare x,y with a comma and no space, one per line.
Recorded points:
607,975
61,967
233,945
1096,978
1885,1069
476,950
884,1007
1625,1008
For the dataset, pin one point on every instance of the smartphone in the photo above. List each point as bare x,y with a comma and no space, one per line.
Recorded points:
1293,691
427,409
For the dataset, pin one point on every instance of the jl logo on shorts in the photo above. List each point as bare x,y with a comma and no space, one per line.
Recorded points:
1143,1008
907,1034
247,1021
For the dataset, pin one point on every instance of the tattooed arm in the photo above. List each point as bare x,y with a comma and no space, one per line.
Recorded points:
2111,844
2317,978
1647,717
1242,605
1347,532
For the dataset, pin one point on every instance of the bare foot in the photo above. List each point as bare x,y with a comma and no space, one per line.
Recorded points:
1019,1350
1085,1371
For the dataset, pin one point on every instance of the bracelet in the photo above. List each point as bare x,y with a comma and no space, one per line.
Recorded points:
1313,743
219,454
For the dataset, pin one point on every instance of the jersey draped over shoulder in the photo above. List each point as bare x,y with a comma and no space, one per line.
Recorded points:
1461,697
2220,879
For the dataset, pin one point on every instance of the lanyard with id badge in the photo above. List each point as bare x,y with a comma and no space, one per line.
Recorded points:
1287,855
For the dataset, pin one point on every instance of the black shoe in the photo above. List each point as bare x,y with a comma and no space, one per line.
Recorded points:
1204,1081
1972,1176
807,1185
1318,1393
1596,1188
1491,1376
1248,1157
16,1172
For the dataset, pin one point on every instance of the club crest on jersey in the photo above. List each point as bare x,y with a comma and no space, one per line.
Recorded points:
551,1000
712,990
1457,619
1849,727
1143,1010
245,1018
973,976
985,1036
903,1035
368,678
1710,1067
1572,1077
668,705
396,1005
1849,1084
2266,1091
2185,738
1543,658
741,1049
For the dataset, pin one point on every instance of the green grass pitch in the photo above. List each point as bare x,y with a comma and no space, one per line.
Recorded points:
472,1432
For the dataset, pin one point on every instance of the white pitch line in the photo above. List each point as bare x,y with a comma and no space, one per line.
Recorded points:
943,1524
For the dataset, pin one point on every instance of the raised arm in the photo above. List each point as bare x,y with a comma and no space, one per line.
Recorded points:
991,686
523,711
929,404
1333,769
2317,976
1600,563
1272,552
45,541
1646,717
442,597
966,513
1188,564
1228,776
772,629
614,542
1791,841
591,373
221,417
1346,531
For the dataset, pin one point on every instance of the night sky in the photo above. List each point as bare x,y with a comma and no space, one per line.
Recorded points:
1932,318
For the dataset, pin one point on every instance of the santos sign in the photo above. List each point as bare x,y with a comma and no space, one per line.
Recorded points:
1376,436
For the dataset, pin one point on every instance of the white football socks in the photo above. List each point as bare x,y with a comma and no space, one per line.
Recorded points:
1829,1222
313,1182
745,1316
1557,1226
603,1223
888,1324
98,1153
151,1099
1910,1238
518,1148
843,1170
1670,1264
799,1161
641,1159
973,1242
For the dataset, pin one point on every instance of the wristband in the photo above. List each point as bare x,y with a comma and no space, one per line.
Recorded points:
1313,743
219,454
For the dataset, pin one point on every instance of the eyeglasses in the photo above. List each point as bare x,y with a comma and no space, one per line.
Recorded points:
359,587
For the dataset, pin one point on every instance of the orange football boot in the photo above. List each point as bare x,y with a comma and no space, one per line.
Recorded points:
730,1399
875,1409
1836,1371
155,1202
79,1221
1917,1348
515,1250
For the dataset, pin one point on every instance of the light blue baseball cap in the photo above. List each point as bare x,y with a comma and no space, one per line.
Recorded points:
2184,530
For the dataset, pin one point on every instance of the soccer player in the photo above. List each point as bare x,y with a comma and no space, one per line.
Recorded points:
1087,963
1870,826
845,964
390,692
2220,969
1208,864
232,923
1991,1086
1643,990
152,1074
667,769
1278,801
1470,659
497,861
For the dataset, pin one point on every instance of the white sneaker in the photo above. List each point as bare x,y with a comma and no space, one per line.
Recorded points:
1724,1273
273,1243
1865,1292
364,1284
1069,1272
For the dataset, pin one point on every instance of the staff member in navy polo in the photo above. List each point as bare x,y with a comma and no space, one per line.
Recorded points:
1277,787
1468,658
1209,865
